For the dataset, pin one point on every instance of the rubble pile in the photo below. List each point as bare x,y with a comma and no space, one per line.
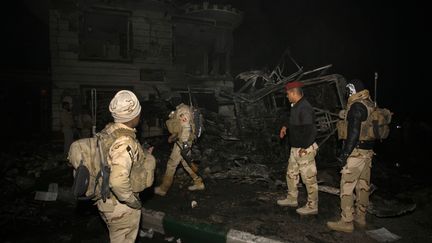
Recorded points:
21,174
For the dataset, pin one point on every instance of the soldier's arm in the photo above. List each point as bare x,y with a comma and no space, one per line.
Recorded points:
355,116
121,155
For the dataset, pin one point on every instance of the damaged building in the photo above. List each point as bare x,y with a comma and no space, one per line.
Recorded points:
155,48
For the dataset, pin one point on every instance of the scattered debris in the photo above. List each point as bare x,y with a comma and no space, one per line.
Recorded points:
336,191
263,198
170,238
148,234
217,218
229,138
382,235
53,187
329,189
279,183
384,208
65,195
22,182
50,195
246,173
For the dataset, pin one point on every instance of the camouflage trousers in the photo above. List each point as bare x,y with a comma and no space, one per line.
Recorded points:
121,220
355,175
305,166
173,161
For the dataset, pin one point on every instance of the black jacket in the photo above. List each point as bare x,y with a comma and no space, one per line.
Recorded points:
301,125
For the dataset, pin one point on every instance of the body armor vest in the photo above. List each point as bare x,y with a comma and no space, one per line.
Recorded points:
366,129
366,126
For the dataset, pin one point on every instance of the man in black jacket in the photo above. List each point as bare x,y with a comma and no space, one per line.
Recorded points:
356,158
302,134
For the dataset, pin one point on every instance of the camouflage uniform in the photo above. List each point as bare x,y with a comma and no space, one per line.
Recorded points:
355,175
302,155
357,152
305,165
122,211
185,137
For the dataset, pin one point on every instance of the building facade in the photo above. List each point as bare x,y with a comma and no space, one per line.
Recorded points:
155,48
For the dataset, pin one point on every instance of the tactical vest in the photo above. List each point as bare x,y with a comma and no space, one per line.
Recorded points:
366,128
138,172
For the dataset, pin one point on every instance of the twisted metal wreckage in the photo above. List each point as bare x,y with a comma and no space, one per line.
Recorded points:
259,101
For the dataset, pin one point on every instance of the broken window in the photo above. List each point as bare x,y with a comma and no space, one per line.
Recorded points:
105,35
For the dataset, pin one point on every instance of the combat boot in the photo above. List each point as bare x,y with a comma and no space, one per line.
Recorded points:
340,225
309,209
197,186
360,219
158,190
164,186
288,201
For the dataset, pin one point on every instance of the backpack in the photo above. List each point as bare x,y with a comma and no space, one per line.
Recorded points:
91,172
173,124
196,120
381,119
376,126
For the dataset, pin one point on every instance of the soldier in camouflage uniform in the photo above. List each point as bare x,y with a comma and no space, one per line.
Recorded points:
132,170
302,134
182,135
356,159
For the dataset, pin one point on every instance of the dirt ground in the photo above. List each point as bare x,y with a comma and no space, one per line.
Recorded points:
226,203
253,208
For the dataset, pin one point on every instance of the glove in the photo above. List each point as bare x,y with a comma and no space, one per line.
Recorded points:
133,202
342,159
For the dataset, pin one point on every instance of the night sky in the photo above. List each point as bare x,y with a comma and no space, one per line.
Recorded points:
357,37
